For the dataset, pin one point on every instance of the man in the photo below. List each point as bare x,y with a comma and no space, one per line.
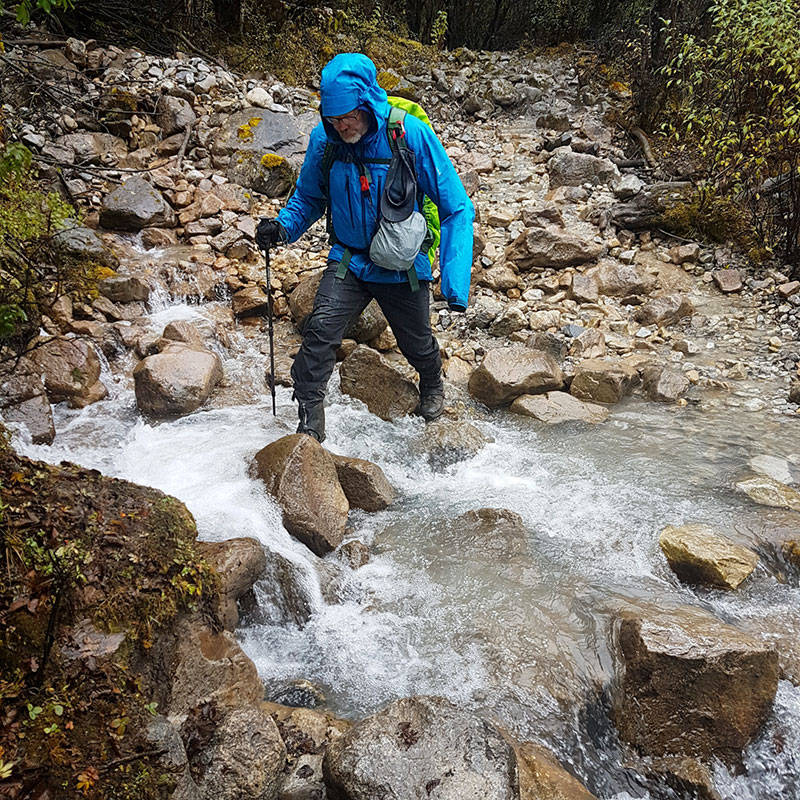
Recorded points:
355,114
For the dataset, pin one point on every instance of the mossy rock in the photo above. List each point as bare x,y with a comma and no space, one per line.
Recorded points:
95,573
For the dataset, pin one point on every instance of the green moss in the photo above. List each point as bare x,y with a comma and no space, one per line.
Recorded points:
83,548
388,80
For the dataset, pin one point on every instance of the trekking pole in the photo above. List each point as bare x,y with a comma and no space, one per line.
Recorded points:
271,340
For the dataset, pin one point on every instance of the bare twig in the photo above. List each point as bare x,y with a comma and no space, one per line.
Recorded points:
135,757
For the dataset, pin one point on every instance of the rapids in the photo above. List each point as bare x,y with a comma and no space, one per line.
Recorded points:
518,629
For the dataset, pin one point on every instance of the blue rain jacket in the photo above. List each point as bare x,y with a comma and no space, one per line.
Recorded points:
348,82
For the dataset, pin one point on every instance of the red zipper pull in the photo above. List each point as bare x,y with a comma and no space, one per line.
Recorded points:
364,183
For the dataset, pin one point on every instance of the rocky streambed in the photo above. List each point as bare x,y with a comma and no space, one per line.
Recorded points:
516,560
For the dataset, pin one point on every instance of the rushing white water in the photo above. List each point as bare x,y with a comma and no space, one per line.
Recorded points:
517,627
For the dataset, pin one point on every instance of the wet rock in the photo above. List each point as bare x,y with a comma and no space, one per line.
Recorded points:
136,205
174,114
664,310
603,381
727,280
794,392
769,492
363,483
244,758
301,476
306,735
180,331
663,384
557,407
210,667
623,280
537,248
125,289
505,374
261,149
456,755
176,381
566,168
446,442
503,93
382,387
70,367
158,237
354,553
699,554
249,302
239,564
77,241
553,344
23,400
539,216
301,300
95,393
692,685
495,532
541,777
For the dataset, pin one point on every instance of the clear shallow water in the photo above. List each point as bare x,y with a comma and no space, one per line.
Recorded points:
516,625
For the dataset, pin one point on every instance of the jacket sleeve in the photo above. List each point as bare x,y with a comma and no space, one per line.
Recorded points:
307,203
439,180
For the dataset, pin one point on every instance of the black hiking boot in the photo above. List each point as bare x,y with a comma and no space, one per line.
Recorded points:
312,420
431,401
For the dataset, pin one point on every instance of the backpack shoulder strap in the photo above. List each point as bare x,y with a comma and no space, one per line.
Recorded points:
328,157
396,129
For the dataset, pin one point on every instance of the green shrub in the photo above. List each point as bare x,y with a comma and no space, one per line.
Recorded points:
32,275
737,110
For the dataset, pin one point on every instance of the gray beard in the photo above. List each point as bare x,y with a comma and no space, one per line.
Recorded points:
354,138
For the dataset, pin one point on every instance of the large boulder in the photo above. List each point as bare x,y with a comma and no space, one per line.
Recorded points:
603,381
79,242
125,289
243,759
363,483
421,747
174,114
371,378
261,149
566,168
446,442
176,381
539,248
702,555
136,205
557,407
623,280
207,667
692,685
665,309
23,400
664,384
71,368
300,474
505,374
239,563
370,324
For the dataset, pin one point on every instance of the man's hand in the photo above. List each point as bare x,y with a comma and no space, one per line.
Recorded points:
268,233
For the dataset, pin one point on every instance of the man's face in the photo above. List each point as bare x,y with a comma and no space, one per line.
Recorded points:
350,127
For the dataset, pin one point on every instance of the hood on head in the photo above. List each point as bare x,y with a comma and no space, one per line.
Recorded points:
349,81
